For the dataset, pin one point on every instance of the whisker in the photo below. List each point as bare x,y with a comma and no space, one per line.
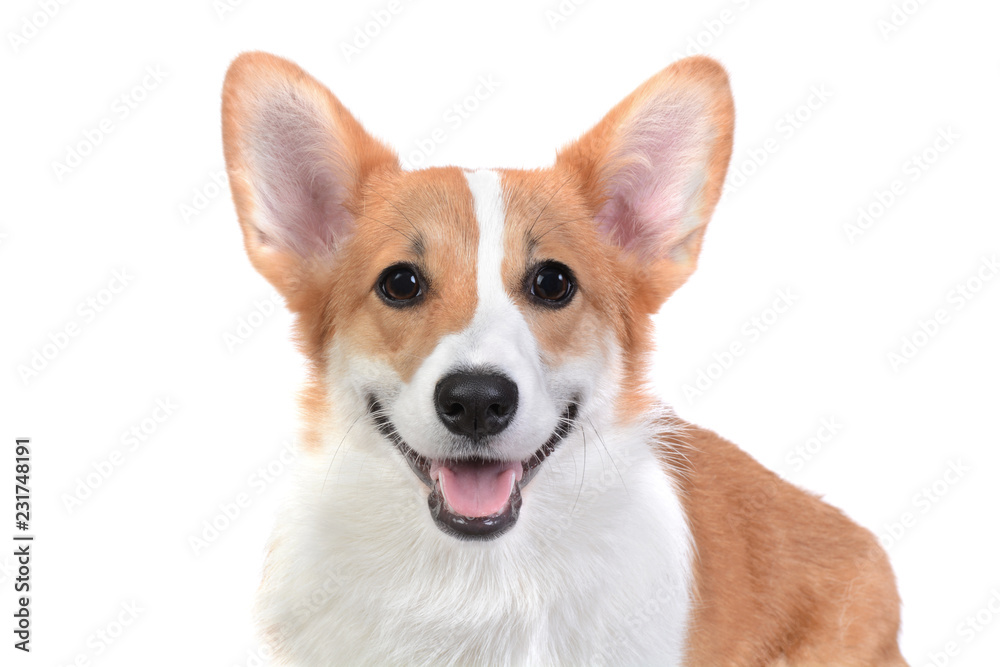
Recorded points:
553,228
610,456
583,477
361,468
337,450
400,212
676,444
553,196
408,237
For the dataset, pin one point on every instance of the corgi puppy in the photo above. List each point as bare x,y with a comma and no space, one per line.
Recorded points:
486,477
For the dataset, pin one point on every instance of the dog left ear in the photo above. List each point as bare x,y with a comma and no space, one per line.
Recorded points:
297,159
654,167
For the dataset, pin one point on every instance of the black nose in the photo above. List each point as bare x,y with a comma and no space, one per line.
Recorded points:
476,404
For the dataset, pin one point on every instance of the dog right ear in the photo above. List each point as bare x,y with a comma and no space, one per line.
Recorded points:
654,169
296,160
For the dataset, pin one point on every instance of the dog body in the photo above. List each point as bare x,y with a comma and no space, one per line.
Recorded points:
486,479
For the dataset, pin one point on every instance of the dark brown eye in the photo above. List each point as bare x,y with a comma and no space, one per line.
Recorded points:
552,283
399,283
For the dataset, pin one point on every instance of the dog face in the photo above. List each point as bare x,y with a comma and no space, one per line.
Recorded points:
475,317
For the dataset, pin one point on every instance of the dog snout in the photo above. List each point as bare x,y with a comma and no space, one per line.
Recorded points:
476,404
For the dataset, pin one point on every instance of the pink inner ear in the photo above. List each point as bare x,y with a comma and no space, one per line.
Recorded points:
654,178
299,176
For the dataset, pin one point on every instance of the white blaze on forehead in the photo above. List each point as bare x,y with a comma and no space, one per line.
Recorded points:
499,333
487,201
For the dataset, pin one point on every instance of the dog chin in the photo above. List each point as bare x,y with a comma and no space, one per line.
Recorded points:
472,497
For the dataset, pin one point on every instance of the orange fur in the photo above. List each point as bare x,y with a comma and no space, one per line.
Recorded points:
546,219
780,575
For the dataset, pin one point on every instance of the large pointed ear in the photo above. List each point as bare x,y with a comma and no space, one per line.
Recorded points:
653,168
296,158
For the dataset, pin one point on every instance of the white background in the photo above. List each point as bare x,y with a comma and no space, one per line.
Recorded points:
143,200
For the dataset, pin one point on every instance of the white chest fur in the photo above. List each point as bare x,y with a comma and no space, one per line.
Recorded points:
597,569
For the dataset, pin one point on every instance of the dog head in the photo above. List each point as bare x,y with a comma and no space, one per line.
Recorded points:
475,317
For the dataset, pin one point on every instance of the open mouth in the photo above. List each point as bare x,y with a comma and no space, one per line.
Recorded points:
474,498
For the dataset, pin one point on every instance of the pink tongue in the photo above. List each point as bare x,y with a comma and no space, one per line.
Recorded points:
476,489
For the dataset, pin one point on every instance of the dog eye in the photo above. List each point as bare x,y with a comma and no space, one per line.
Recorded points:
552,283
399,283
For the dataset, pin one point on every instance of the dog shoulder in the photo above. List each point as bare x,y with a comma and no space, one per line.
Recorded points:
779,574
